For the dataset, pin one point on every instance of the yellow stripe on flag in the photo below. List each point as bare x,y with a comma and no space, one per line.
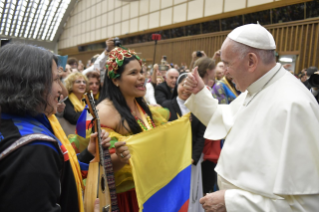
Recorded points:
158,155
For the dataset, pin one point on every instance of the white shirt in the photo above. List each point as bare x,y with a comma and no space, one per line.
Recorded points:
270,159
182,106
98,64
149,95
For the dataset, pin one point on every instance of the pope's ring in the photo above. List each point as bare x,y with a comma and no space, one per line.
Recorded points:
122,156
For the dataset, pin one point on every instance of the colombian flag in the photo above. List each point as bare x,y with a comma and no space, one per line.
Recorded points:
83,122
161,166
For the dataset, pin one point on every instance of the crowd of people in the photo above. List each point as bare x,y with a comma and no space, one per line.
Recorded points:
248,119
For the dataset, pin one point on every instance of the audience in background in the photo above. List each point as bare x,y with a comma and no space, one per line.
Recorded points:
206,68
94,84
225,91
220,70
80,66
164,91
73,62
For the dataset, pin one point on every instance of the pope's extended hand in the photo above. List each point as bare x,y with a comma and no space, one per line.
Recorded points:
214,202
194,82
105,141
122,151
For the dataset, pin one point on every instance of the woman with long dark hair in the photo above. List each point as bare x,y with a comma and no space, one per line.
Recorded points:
39,168
123,111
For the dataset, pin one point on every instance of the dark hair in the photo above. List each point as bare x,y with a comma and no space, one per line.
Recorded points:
72,60
114,94
25,78
93,74
203,64
179,80
311,70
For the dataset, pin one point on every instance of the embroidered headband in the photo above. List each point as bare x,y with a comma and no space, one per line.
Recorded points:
116,59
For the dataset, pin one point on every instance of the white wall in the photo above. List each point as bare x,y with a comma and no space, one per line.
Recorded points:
99,19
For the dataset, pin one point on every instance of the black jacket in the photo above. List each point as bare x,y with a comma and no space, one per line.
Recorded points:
69,113
307,84
163,93
198,129
35,177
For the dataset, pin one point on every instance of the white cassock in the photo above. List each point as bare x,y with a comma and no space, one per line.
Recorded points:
270,159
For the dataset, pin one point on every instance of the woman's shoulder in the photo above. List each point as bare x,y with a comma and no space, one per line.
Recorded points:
108,114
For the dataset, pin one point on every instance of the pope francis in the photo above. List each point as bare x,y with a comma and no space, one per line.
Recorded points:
270,160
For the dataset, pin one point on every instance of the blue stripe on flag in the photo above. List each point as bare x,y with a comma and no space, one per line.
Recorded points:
81,124
171,197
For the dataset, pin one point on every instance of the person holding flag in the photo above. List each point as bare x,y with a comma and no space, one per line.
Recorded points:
124,113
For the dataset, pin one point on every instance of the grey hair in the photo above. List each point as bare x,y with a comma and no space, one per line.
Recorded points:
170,71
25,79
266,56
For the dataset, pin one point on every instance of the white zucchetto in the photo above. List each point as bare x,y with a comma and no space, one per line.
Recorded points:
253,35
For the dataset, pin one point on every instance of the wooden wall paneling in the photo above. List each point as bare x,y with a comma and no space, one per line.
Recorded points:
281,39
286,39
300,38
215,43
277,39
296,38
315,52
297,46
220,41
310,47
304,41
292,38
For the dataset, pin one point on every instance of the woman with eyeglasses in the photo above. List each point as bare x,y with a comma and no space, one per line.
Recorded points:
76,84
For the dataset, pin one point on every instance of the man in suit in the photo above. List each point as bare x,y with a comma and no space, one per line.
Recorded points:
163,91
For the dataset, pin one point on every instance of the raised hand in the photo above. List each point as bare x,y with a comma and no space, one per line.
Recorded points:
194,82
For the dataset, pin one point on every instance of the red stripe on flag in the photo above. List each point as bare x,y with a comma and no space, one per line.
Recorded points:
184,208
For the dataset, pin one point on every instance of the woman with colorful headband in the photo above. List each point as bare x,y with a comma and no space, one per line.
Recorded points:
122,112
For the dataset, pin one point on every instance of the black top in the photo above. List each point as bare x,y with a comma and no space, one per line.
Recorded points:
198,128
307,84
35,177
163,93
69,113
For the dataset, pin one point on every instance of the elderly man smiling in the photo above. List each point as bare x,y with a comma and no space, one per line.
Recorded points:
270,161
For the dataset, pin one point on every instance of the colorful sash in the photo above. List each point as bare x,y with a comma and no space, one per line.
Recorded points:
78,105
59,133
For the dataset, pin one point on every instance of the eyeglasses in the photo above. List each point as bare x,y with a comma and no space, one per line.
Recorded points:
80,81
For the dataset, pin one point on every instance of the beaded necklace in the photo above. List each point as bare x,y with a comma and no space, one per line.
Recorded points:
146,123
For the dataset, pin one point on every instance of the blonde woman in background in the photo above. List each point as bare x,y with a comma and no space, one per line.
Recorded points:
76,84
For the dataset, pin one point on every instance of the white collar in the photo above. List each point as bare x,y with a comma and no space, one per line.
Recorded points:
260,83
